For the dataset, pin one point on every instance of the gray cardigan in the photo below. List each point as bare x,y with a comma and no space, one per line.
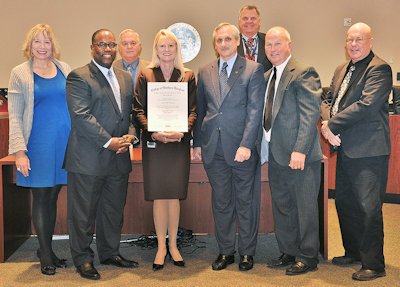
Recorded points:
21,103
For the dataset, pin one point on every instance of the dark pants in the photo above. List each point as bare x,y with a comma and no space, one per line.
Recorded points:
95,201
360,189
295,208
235,202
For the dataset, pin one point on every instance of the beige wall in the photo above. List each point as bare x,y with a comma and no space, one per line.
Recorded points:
316,26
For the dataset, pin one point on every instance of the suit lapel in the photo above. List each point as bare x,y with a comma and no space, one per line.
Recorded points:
284,81
261,44
214,75
340,78
236,71
105,85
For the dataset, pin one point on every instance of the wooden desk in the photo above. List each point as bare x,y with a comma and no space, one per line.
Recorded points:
196,213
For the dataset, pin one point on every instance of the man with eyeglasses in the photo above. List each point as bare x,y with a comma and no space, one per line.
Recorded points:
359,130
252,42
99,100
129,48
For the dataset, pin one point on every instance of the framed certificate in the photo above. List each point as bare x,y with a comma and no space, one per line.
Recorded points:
167,106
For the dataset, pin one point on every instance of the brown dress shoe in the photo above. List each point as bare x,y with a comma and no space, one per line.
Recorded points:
367,274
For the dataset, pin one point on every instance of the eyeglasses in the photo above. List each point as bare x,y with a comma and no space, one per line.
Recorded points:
356,40
103,45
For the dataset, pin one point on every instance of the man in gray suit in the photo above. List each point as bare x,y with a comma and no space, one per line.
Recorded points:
359,131
130,48
290,126
229,102
99,100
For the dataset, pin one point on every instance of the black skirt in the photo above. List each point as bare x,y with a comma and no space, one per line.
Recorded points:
166,170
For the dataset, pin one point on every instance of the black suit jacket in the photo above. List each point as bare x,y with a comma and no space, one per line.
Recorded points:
363,117
95,119
261,57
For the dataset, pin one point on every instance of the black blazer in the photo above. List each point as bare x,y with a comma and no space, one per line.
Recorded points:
261,57
363,120
95,119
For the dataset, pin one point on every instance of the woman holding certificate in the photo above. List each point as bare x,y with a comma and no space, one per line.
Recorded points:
165,143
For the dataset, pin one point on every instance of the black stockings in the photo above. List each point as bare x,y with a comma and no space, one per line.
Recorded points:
44,214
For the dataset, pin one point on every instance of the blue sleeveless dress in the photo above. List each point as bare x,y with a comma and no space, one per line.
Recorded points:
50,130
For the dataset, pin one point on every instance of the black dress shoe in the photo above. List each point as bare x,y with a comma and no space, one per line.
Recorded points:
48,270
59,263
87,271
119,261
246,262
367,274
344,260
300,268
282,261
222,262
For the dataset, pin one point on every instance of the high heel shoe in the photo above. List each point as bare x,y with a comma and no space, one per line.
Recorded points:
157,267
59,263
179,263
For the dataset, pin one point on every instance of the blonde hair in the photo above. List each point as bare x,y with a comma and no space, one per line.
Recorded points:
178,63
33,33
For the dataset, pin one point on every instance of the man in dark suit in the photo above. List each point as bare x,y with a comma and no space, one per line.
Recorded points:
252,42
290,126
230,90
359,131
99,101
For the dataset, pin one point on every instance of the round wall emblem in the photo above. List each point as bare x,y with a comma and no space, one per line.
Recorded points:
189,39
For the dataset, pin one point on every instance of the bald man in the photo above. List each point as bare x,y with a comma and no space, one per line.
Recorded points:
359,131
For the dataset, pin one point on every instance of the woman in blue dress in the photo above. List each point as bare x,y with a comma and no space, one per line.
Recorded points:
39,130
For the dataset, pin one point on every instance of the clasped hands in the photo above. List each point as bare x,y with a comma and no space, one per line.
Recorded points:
167,137
121,144
328,135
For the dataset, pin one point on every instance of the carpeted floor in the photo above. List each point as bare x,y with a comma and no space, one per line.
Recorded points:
23,268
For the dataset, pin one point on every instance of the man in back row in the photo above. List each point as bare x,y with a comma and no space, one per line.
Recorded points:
252,41
130,48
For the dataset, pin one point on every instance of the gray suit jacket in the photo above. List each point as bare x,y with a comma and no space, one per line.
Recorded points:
235,116
95,119
295,114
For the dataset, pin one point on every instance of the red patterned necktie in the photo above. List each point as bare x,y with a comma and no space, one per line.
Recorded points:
250,53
